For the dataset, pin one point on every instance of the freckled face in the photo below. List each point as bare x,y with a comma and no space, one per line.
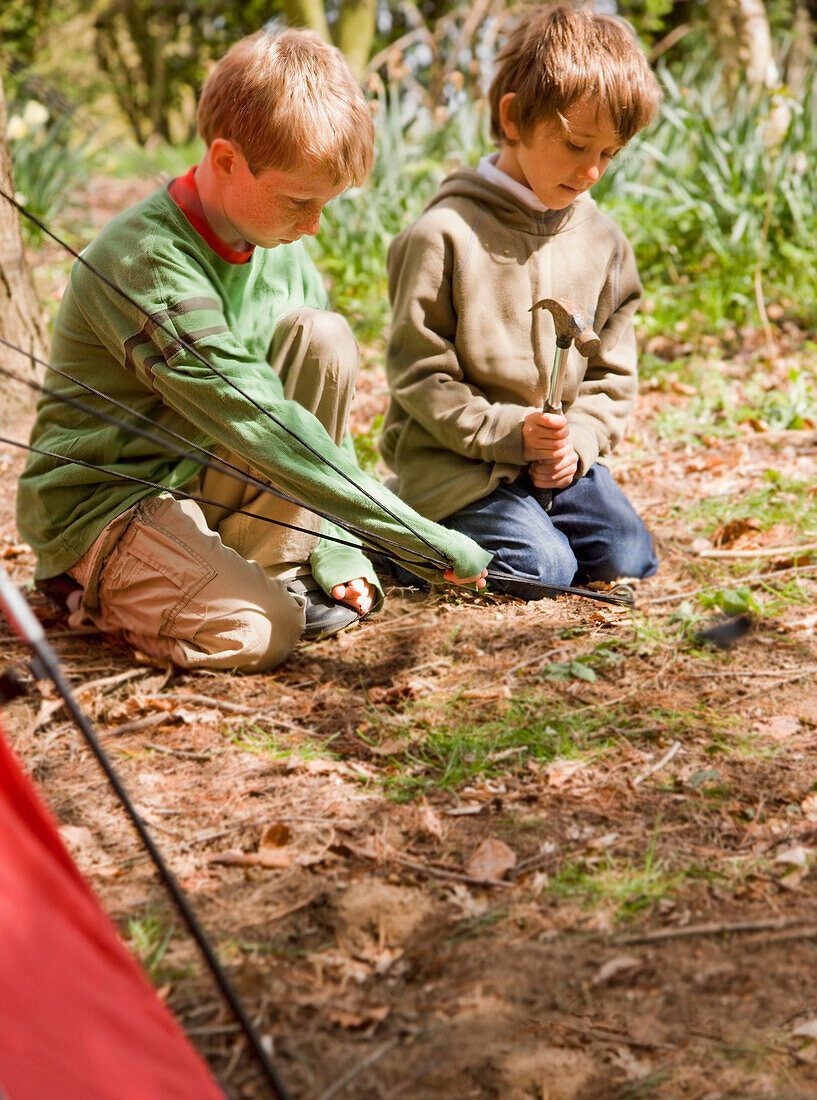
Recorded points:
558,164
275,207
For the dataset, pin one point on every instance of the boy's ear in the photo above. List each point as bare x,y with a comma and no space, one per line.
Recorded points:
507,116
223,156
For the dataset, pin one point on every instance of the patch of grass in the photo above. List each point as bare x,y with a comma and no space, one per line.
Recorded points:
694,194
149,938
414,153
254,738
452,746
457,748
621,886
779,501
720,405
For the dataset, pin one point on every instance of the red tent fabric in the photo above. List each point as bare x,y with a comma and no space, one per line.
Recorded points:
78,1018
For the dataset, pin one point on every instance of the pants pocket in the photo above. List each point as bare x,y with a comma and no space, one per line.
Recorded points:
149,581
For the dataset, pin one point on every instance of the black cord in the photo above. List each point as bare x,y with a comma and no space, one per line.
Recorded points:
117,476
176,338
214,462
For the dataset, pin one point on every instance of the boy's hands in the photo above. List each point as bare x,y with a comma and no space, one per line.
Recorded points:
361,596
547,447
358,594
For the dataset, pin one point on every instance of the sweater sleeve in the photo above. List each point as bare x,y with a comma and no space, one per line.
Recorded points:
185,351
424,374
597,416
332,563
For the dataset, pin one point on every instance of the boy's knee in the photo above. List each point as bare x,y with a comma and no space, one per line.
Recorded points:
245,636
548,561
266,643
631,555
330,344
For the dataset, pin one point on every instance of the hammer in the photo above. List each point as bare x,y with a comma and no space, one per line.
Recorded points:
570,326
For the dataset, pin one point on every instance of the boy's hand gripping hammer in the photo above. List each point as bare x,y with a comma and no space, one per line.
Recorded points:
570,326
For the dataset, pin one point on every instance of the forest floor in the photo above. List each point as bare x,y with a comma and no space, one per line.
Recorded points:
476,848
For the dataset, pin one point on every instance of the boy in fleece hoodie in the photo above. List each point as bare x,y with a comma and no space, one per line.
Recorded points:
468,364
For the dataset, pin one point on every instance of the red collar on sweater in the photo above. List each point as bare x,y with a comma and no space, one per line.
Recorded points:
185,194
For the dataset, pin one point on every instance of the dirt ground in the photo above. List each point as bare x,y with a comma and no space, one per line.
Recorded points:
618,902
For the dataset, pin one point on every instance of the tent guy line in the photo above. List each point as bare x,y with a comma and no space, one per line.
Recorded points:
212,461
379,543
177,339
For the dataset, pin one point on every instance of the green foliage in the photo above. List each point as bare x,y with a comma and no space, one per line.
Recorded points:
625,887
715,187
790,502
149,939
51,162
730,601
366,452
721,405
21,22
650,18
413,156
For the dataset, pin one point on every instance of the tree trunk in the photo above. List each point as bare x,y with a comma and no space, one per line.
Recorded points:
740,31
355,32
310,14
21,318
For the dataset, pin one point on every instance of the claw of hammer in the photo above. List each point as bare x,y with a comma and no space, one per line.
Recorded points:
570,325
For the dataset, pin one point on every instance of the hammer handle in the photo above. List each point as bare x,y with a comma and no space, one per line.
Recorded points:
544,497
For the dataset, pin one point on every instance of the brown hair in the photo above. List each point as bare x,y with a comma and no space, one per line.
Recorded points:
557,56
288,99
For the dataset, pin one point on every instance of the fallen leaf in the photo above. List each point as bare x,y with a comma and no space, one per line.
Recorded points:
599,843
466,809
48,708
500,692
780,727
614,966
798,856
374,1015
560,772
491,860
276,836
392,747
728,534
809,807
808,1030
279,858
430,821
635,1069
315,766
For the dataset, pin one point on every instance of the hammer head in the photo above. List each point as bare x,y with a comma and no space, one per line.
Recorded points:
570,325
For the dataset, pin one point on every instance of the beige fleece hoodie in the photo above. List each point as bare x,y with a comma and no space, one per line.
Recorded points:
467,361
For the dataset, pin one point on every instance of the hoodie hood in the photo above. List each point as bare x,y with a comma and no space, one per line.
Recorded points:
466,183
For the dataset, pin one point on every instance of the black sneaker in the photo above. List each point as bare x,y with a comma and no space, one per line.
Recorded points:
324,616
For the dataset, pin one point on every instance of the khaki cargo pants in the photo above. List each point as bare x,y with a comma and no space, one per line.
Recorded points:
199,585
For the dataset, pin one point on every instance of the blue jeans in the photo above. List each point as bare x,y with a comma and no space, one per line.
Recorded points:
592,532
